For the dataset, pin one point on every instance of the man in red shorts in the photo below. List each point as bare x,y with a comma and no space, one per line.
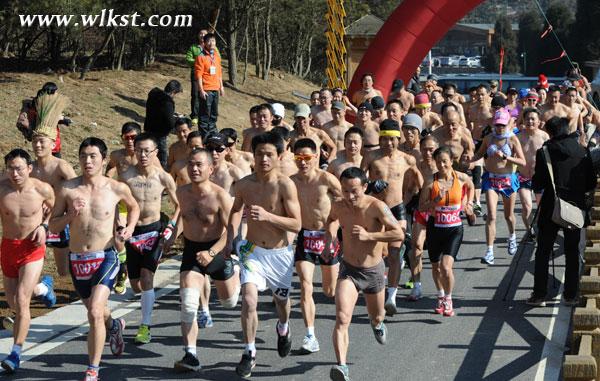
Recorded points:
24,228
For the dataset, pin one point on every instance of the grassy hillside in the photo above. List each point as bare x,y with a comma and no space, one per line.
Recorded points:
107,99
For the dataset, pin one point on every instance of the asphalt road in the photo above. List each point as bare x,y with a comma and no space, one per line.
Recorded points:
494,335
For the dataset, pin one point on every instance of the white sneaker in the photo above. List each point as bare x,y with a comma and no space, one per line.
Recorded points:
310,344
390,307
488,258
415,294
512,246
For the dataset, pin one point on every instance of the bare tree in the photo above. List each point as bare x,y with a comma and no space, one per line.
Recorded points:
268,46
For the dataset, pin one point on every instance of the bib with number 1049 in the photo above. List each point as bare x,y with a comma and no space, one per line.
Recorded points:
447,216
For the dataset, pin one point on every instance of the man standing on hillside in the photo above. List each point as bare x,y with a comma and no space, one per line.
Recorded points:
160,116
210,84
193,52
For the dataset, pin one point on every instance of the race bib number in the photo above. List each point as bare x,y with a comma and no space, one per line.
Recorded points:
213,70
85,265
447,216
314,242
144,242
500,182
52,237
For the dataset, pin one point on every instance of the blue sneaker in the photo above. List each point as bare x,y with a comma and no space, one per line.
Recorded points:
204,320
50,298
11,362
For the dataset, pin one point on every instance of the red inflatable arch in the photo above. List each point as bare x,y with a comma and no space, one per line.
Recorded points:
405,39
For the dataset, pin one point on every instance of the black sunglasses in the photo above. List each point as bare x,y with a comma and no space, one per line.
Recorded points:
218,149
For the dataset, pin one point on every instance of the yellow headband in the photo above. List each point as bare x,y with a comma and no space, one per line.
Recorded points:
423,105
392,133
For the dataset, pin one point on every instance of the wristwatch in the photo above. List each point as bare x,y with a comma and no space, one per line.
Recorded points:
211,252
45,226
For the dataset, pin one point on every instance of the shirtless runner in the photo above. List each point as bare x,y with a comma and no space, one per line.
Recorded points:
179,168
502,152
88,204
578,110
412,126
150,237
531,139
386,168
454,135
266,255
350,156
224,173
370,128
366,222
316,191
367,91
24,228
553,107
178,150
261,118
321,113
399,92
302,129
431,120
338,126
54,171
379,113
205,211
241,159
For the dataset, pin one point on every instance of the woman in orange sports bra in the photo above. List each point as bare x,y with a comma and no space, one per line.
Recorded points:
443,198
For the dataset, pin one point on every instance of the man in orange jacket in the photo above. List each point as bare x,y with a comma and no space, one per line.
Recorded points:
210,84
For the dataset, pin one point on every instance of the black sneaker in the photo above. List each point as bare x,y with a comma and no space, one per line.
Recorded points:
284,343
189,362
247,363
536,301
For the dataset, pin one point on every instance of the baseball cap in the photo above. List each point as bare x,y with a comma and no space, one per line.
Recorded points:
498,101
501,117
216,139
422,100
413,120
523,93
532,95
366,105
389,124
512,90
397,84
302,110
338,105
377,102
493,83
433,77
278,110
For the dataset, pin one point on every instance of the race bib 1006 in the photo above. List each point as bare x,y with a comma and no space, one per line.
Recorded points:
447,216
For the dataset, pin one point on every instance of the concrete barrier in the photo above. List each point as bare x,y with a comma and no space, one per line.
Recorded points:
583,366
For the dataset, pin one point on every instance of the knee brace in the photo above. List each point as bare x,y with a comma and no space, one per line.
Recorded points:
232,301
190,300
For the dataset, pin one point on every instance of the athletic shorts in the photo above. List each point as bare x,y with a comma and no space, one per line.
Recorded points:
143,249
310,245
60,240
442,241
267,268
16,253
476,175
421,217
369,280
503,184
91,269
399,211
524,182
219,269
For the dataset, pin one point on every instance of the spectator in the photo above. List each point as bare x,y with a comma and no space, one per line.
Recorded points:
160,116
210,84
414,84
573,177
194,51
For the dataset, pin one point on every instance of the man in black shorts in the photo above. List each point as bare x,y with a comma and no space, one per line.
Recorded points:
316,190
205,211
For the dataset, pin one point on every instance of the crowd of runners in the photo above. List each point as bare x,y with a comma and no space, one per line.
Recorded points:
351,199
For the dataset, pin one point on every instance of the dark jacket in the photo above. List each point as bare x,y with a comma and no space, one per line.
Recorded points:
160,113
572,170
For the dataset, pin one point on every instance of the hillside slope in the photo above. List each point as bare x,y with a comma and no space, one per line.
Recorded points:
107,99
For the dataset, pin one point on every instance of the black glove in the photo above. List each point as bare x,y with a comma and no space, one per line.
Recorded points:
376,186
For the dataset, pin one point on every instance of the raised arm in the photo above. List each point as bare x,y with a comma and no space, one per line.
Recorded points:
326,139
133,209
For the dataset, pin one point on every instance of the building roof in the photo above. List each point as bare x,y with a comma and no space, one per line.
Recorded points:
481,27
368,25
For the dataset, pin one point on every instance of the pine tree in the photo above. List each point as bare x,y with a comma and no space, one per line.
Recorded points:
504,37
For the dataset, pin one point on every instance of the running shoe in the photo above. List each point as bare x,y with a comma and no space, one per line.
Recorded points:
188,363
117,344
120,286
339,373
11,363
390,308
512,246
204,320
91,375
143,335
409,285
415,294
8,323
477,210
448,308
247,363
380,333
284,343
488,258
310,344
50,298
536,301
439,309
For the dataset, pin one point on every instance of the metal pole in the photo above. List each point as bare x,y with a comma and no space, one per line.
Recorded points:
430,63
